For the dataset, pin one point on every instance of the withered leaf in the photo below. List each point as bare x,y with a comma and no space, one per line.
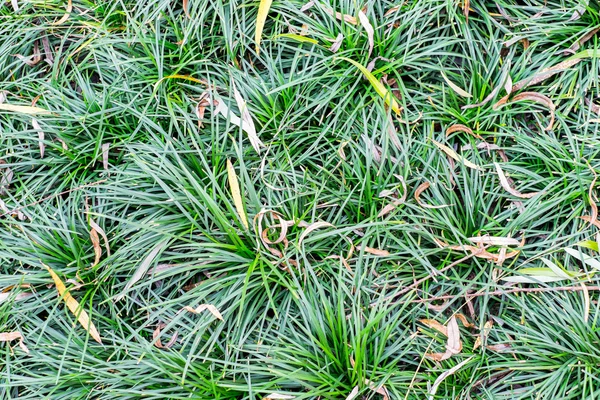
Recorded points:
211,308
420,189
10,336
504,183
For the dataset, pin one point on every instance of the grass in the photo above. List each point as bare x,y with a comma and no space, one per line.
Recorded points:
312,315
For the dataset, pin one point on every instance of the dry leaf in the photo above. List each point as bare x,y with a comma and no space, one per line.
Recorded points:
592,199
461,128
96,244
379,390
142,269
337,43
455,87
391,11
540,99
23,109
353,393
575,46
495,240
99,230
157,341
466,5
34,59
385,210
74,307
277,396
41,136
453,344
15,5
10,336
587,218
105,148
234,186
17,297
186,9
499,348
451,153
364,21
463,319
504,183
7,177
375,252
261,18
212,309
482,338
586,302
420,189
431,323
444,375
545,74
312,227
348,18
247,124
66,15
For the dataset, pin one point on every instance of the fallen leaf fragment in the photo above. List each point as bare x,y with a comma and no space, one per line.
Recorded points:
73,306
540,99
10,336
234,186
420,189
312,227
499,348
461,128
451,153
378,389
504,183
463,319
261,18
444,375
211,308
453,344
592,199
353,393
99,230
186,9
364,21
455,87
17,297
578,43
105,149
142,269
588,218
396,202
66,14
96,244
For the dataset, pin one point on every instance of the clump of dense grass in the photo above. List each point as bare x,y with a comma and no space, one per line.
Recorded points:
311,316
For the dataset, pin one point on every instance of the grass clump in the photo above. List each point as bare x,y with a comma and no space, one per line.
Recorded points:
357,220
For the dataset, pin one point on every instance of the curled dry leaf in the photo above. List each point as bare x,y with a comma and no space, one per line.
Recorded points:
10,336
66,14
431,323
337,43
99,230
504,183
364,21
444,375
158,342
234,186
141,269
455,87
312,227
451,153
396,202
587,218
540,99
211,308
463,319
461,128
420,189
261,18
453,344
74,307
34,59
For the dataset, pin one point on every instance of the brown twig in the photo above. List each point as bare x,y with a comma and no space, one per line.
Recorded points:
14,210
500,292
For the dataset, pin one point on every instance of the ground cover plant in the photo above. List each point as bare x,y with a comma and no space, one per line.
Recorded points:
290,200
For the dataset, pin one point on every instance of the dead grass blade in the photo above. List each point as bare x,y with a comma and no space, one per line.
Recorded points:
466,5
247,124
312,227
461,128
451,153
592,199
364,21
504,183
431,323
453,344
348,18
186,9
455,87
482,338
278,396
66,14
545,74
23,109
142,269
495,240
158,342
10,336
378,389
420,189
587,218
74,307
17,297
202,307
444,375
540,99
374,251
353,393
105,149
261,18
234,186
395,203
97,249
578,43
337,43
34,59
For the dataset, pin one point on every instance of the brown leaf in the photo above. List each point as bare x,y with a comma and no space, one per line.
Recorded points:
578,43
96,244
10,336
74,307
247,124
397,202
466,5
592,199
312,227
540,99
431,323
451,153
378,389
461,128
157,341
212,309
504,183
186,9
34,59
587,218
499,348
66,15
463,319
420,189
545,74
348,18
453,344
375,252
99,230
482,338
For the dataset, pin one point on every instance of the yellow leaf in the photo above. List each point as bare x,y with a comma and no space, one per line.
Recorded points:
455,87
385,94
235,193
74,307
23,109
456,156
66,14
212,309
261,18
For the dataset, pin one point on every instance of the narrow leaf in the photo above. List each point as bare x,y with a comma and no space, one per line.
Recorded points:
261,18
234,186
66,14
451,153
23,109
455,87
504,183
364,21
142,269
312,227
444,375
211,308
247,124
420,189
